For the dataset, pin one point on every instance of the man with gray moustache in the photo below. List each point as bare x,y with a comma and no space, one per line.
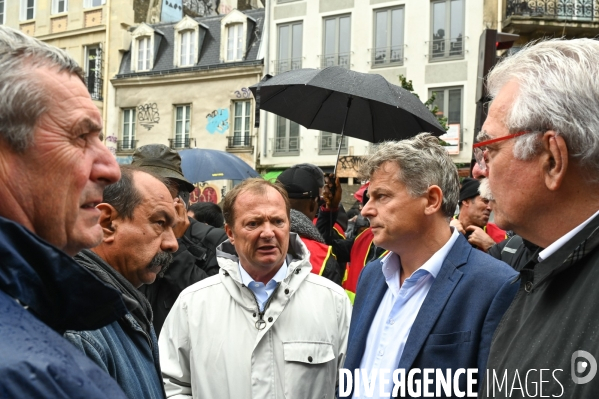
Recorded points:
137,218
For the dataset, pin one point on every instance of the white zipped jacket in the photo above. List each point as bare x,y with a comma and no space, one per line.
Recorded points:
216,344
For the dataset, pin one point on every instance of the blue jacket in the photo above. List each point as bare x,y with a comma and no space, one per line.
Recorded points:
54,294
457,320
127,349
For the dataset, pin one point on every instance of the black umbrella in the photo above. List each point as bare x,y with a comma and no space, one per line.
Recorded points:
338,100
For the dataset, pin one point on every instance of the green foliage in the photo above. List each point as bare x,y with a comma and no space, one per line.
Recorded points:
430,104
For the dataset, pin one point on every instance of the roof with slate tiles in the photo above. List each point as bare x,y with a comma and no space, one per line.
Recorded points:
209,44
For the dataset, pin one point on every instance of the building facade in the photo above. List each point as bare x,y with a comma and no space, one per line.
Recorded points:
434,43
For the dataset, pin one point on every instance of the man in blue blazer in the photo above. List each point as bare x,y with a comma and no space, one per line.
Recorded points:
424,314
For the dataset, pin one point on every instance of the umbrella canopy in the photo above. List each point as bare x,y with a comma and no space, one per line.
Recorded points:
320,99
201,164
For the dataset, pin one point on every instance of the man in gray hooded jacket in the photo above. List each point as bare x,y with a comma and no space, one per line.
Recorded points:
275,328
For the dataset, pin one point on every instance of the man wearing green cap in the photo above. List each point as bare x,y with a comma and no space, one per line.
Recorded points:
196,257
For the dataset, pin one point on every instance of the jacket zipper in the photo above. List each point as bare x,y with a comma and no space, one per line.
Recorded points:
260,323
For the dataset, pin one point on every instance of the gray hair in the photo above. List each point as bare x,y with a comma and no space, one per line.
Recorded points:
557,91
23,99
422,162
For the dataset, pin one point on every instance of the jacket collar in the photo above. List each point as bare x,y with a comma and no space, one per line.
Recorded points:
55,288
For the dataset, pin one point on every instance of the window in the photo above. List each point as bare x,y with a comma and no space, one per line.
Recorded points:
142,48
329,143
289,52
182,124
287,137
234,42
93,3
93,70
241,124
188,46
336,46
448,29
128,138
27,9
186,42
388,37
449,101
1,12
59,6
144,53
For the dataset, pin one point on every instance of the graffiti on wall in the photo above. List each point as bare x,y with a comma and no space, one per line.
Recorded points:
243,93
148,115
218,121
205,192
349,166
112,147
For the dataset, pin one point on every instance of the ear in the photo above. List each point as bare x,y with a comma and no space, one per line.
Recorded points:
434,200
108,221
229,232
313,205
555,160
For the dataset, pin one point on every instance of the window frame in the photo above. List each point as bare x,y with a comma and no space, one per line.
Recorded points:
447,136
334,146
55,6
289,63
185,133
277,152
98,79
131,123
237,52
389,48
24,8
146,60
336,57
447,50
89,3
245,133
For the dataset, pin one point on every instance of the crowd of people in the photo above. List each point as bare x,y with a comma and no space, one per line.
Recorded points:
113,286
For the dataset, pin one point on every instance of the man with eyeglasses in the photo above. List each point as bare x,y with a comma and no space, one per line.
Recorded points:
539,149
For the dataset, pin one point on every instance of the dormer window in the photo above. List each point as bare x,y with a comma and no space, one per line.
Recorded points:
142,48
234,27
186,46
144,53
234,43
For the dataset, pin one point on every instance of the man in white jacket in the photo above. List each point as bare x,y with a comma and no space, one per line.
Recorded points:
264,326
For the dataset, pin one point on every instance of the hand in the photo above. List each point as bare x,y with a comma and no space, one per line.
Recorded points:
458,225
479,238
181,220
332,191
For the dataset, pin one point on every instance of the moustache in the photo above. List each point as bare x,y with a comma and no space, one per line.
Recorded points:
162,259
485,190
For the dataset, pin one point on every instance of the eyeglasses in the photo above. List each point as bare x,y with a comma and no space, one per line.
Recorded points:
481,147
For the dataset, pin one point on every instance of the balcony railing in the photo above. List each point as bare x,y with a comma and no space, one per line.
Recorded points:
585,10
239,141
126,145
181,143
287,146
387,55
289,64
329,143
338,59
446,48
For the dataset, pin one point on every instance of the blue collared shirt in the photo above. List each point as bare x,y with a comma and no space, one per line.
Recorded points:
261,290
395,316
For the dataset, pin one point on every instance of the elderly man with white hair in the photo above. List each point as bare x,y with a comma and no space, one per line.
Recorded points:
539,148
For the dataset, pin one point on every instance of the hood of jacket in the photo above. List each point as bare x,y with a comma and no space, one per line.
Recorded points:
136,302
62,294
303,226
